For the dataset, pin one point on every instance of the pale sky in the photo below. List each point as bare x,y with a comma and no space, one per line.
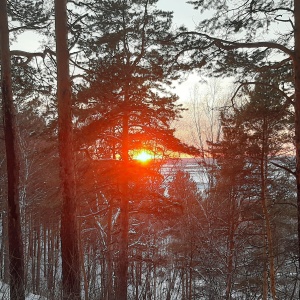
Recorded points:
184,14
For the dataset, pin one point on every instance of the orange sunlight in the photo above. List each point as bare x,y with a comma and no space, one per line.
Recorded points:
143,155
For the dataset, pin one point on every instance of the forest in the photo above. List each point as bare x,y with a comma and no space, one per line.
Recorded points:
96,199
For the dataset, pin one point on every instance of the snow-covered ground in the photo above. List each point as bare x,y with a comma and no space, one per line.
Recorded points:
4,293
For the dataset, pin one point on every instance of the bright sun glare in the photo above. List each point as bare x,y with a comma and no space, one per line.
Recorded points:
143,156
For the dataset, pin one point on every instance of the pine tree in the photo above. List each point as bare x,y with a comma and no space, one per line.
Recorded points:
254,135
126,95
16,260
184,193
241,39
69,234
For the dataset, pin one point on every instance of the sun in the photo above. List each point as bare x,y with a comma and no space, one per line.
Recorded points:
143,156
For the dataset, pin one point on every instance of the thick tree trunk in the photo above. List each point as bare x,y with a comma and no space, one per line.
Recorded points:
296,61
69,232
16,261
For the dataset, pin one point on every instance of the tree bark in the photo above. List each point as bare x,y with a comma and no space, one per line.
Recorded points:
264,203
38,259
16,259
230,246
265,281
124,215
69,231
296,62
109,281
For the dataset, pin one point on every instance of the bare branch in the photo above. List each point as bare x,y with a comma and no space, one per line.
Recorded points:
229,45
78,66
286,203
242,84
275,66
28,27
31,55
284,168
277,18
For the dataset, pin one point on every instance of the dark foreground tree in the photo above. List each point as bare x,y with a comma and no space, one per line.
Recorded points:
69,235
131,109
16,261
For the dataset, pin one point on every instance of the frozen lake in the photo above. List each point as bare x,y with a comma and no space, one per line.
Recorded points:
192,166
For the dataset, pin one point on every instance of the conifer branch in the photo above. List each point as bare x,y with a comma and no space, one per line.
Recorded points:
229,45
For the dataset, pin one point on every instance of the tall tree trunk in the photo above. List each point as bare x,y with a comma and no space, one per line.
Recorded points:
82,260
296,61
109,281
124,214
16,260
230,245
190,271
265,282
50,262
69,231
264,203
38,258
5,266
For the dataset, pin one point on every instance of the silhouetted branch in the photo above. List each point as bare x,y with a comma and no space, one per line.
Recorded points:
229,45
31,55
284,168
242,84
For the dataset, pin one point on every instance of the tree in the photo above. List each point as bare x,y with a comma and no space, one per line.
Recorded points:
184,191
226,202
16,261
69,234
127,72
254,136
240,38
266,122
